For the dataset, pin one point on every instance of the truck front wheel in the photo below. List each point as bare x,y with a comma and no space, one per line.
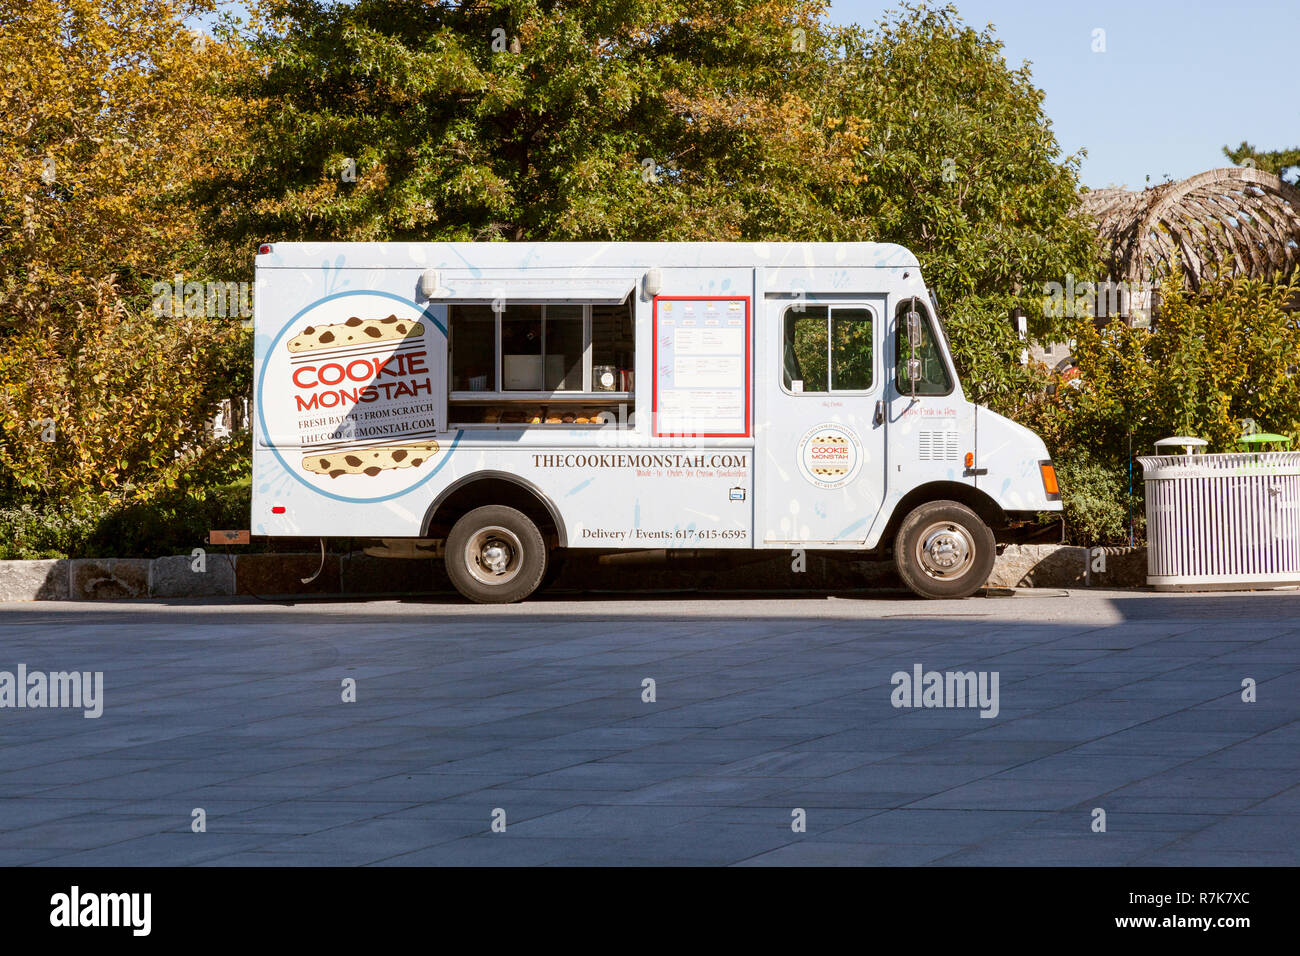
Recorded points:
495,555
943,550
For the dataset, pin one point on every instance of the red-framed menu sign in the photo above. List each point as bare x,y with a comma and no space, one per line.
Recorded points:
701,381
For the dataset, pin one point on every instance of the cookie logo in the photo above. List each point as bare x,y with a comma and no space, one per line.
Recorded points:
829,455
354,331
370,461
346,396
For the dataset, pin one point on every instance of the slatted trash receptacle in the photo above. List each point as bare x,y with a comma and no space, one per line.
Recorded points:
1229,521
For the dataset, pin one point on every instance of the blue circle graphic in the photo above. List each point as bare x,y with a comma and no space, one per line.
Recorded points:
426,315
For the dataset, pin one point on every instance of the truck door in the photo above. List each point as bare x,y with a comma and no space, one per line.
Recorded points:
820,443
931,425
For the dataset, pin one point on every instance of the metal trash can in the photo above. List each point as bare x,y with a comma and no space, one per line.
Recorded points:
1221,522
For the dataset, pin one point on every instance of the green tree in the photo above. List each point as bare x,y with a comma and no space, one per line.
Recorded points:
108,113
527,120
1282,162
961,167
665,120
1224,353
122,414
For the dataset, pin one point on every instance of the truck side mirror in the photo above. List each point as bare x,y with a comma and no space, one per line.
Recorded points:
914,330
913,367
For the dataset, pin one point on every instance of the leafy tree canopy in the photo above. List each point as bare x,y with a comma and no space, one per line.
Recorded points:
661,120
108,112
1282,162
524,120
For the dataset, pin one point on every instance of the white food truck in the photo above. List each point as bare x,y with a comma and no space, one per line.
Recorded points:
508,401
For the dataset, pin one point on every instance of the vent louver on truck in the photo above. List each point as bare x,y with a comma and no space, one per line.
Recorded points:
938,446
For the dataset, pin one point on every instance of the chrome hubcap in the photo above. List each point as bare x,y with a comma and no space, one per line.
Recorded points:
494,555
944,551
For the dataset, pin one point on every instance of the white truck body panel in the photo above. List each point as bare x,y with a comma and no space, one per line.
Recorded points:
356,437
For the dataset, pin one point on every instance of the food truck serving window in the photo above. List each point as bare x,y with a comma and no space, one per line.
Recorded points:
829,349
541,364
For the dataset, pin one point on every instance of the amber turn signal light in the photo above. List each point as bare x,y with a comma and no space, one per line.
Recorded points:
1049,479
970,459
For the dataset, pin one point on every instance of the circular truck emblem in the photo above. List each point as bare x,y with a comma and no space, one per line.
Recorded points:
830,455
345,396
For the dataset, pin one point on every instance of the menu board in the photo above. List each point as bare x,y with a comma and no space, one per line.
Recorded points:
701,358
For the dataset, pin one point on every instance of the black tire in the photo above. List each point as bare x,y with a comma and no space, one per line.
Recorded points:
495,555
939,532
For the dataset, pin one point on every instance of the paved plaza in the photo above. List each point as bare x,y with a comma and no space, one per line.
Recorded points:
526,735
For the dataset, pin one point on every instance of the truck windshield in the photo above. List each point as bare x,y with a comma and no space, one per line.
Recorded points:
935,378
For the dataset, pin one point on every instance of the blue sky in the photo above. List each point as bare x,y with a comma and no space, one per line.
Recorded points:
1178,80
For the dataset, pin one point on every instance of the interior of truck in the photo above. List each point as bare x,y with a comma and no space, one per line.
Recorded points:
541,364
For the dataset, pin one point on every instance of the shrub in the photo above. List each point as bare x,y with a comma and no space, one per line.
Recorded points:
121,408
987,351
1095,497
1219,355
174,523
28,532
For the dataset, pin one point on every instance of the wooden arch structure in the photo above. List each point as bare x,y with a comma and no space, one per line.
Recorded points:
1233,221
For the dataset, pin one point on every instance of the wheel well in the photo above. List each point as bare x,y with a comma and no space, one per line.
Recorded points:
493,489
988,510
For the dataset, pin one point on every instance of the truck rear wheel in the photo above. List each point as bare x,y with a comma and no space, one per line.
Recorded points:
944,550
495,555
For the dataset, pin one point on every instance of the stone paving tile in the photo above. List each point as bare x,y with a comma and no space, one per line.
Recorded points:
821,763
139,785
1143,740
706,750
851,854
1000,793
1247,859
369,841
1288,801
18,813
493,849
921,827
1087,849
603,776
823,821
763,706
90,830
608,822
161,849
886,775
1109,769
1244,832
844,799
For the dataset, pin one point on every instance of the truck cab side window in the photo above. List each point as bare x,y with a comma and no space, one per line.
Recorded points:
828,349
851,350
935,378
805,349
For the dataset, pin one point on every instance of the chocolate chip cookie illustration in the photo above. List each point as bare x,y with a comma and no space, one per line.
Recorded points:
355,331
369,461
831,455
